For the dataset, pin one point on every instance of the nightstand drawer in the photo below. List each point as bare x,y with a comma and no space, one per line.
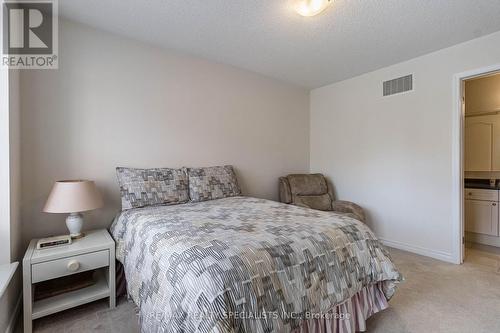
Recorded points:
70,265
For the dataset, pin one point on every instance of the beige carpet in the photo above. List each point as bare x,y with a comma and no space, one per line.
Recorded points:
441,297
436,297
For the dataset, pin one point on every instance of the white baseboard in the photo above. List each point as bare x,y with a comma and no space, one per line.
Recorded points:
440,255
15,315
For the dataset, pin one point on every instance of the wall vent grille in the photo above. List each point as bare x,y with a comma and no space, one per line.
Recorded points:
399,85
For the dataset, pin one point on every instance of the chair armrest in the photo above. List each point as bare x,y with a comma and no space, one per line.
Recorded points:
284,190
346,207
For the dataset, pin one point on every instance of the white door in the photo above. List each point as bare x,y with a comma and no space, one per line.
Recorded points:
462,170
481,217
478,144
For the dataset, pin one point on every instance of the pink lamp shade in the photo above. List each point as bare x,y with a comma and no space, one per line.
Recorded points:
73,196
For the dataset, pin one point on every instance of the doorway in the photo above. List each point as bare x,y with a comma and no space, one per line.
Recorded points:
476,167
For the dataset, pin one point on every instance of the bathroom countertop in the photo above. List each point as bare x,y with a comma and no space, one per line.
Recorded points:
481,184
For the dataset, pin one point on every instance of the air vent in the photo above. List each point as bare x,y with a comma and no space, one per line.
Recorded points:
398,85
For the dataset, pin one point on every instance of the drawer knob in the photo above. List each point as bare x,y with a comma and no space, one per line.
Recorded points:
73,265
494,204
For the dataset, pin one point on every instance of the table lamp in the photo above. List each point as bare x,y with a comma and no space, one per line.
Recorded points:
73,197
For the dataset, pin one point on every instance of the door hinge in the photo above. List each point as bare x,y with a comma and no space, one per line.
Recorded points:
463,239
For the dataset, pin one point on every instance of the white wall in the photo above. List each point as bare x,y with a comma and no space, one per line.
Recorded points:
10,301
16,246
4,168
393,155
6,303
11,247
117,102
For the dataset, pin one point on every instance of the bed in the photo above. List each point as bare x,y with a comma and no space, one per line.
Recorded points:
242,264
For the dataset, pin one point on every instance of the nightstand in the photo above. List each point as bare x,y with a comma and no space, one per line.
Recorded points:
95,251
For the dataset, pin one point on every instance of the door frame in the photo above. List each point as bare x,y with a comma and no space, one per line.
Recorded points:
457,170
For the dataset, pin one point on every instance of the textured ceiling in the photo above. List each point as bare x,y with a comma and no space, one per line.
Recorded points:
266,36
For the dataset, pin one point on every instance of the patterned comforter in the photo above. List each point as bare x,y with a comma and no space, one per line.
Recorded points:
242,264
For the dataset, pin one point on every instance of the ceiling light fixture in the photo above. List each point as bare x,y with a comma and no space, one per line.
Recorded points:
311,7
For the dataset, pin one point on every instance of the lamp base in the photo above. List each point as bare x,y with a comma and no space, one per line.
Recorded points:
77,236
74,222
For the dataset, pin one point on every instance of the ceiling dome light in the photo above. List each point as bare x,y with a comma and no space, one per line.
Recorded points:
311,7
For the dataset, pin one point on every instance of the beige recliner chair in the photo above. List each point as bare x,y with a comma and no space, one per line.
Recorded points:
314,191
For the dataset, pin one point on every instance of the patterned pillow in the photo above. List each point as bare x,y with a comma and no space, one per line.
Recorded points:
212,183
148,187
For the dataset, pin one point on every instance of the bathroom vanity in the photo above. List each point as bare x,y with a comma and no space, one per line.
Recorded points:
482,211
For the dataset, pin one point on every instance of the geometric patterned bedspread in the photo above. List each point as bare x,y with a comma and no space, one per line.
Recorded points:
243,264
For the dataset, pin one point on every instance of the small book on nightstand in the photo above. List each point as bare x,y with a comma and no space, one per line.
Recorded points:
54,241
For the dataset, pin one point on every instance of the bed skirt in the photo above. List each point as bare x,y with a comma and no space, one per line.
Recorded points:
350,316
